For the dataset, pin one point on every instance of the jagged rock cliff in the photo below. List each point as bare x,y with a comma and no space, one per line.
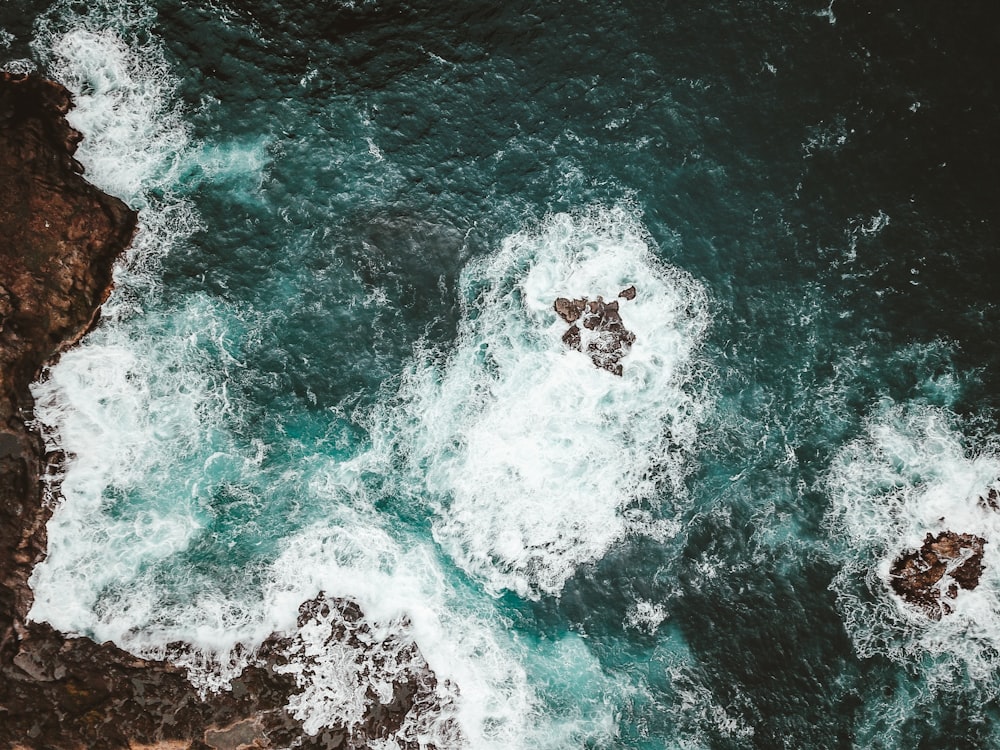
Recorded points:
928,577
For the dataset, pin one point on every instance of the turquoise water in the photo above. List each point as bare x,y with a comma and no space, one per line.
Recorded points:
331,361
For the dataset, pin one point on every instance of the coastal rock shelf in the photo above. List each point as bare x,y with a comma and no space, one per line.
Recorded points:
930,576
604,336
331,633
59,239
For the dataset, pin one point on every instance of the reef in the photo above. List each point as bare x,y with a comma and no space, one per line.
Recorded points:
603,336
59,240
928,577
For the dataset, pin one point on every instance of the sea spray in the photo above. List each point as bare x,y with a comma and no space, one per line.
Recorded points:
533,460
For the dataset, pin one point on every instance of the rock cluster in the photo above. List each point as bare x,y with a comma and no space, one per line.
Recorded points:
333,632
604,336
928,577
59,239
990,500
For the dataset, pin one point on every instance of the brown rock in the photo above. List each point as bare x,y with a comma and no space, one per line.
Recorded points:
572,337
610,340
570,309
943,564
59,235
395,660
59,238
991,500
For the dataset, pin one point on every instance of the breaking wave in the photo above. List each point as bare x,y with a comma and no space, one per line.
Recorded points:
536,461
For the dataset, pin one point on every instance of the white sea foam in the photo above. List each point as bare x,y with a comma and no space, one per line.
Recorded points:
533,458
646,616
134,405
135,416
701,714
483,697
134,140
405,599
690,702
911,474
98,579
485,683
18,67
141,428
578,692
136,144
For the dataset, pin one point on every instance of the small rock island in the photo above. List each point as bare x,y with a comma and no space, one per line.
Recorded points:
604,336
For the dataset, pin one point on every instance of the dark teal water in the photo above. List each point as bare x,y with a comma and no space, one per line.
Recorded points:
331,361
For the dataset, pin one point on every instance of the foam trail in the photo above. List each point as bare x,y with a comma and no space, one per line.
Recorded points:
911,474
536,460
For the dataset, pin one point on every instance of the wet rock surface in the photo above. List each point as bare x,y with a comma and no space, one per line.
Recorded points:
402,694
604,336
990,500
59,239
931,576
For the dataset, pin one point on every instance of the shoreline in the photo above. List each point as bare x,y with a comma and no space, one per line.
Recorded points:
62,239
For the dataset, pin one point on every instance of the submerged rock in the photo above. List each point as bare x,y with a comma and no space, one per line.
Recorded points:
929,576
608,340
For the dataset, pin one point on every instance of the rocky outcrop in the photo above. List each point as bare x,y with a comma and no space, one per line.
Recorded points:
59,239
405,698
990,500
604,336
59,235
928,577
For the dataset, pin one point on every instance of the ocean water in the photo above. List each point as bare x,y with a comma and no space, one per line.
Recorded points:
331,361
